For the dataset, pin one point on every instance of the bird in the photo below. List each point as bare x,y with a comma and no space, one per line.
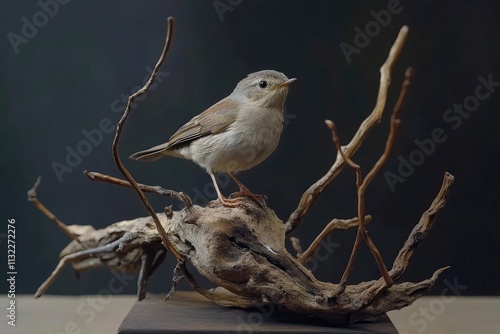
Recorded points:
235,134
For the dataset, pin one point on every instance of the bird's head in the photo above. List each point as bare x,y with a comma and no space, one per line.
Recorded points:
265,88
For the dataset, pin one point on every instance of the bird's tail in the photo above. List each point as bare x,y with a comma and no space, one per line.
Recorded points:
152,153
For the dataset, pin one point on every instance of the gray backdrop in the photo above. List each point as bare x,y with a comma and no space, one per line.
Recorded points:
66,69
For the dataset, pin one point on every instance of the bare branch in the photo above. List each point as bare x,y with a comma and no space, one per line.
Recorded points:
416,236
311,194
75,257
394,125
32,197
362,185
423,227
362,232
149,189
176,278
119,129
334,225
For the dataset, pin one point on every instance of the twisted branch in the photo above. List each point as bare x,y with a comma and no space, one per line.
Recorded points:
119,129
363,183
311,194
33,197
416,236
334,225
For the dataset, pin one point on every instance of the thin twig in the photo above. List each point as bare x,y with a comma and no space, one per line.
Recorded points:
146,188
334,225
362,185
394,125
33,197
311,194
119,129
176,278
142,280
416,236
423,227
73,257
362,232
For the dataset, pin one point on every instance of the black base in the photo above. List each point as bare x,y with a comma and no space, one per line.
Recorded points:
189,312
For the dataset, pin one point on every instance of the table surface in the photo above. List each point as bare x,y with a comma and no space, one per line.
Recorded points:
104,314
189,312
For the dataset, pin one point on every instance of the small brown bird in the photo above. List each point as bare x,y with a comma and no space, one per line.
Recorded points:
235,134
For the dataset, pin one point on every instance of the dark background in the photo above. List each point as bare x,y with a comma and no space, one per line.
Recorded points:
65,78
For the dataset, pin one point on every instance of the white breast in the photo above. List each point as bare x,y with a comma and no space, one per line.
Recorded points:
245,144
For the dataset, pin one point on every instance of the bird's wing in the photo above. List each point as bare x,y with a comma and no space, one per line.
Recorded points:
214,120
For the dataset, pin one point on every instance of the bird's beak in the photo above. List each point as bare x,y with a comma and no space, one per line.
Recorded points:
286,83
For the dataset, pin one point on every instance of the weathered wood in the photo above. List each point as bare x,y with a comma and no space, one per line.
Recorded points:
243,251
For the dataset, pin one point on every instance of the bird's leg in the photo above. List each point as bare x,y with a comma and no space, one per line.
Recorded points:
244,191
229,202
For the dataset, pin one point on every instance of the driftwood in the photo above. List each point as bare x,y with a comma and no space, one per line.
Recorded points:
242,250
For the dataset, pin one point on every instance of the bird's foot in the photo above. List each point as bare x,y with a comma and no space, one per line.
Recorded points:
230,202
259,199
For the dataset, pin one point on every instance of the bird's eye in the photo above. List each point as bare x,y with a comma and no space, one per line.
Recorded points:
263,84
